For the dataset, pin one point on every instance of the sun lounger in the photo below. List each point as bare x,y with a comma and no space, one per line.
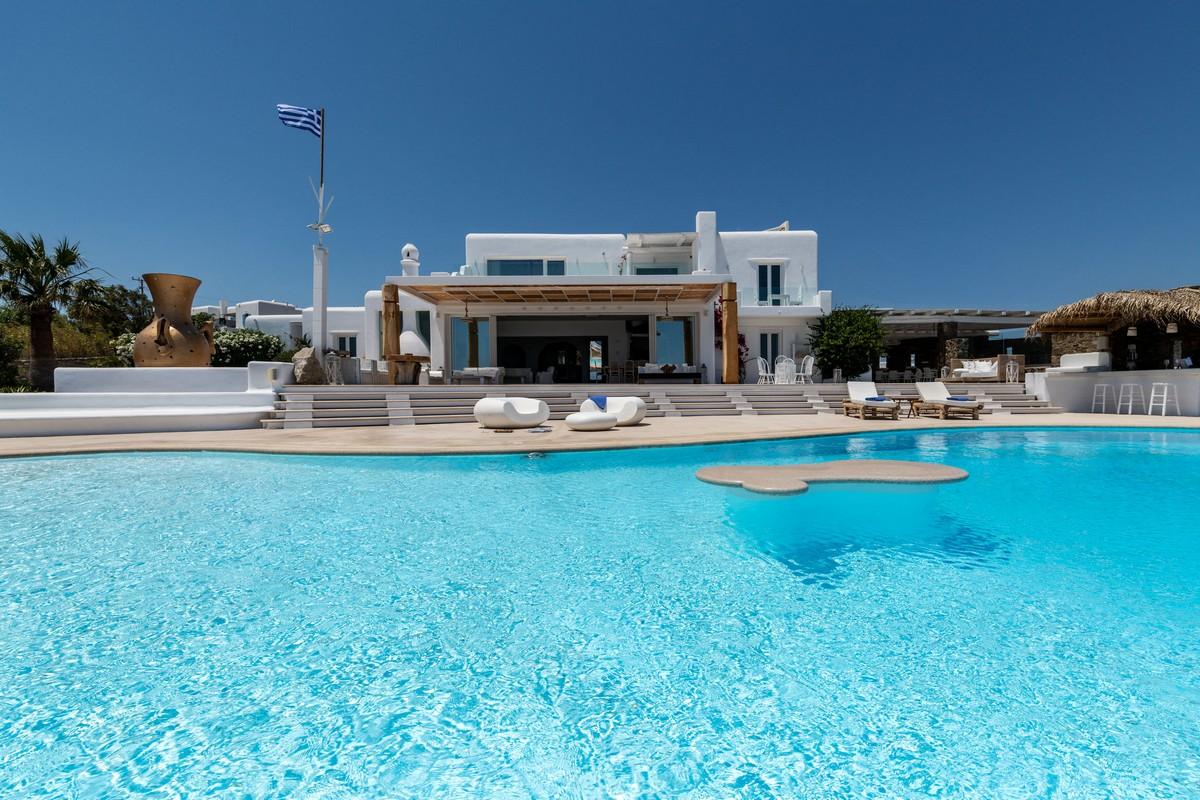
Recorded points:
865,401
507,413
627,410
936,399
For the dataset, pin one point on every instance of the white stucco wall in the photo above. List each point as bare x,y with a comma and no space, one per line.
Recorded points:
369,343
285,326
1073,390
740,252
260,308
341,321
583,253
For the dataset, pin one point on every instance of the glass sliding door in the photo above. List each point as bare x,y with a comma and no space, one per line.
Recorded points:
770,284
674,340
470,343
768,347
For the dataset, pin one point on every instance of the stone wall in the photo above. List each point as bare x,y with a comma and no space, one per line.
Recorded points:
1062,344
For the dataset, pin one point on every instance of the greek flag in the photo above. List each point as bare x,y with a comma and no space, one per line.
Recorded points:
308,119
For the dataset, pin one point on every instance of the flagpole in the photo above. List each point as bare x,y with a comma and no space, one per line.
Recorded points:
320,265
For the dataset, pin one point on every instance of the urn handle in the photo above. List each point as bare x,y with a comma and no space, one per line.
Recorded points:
161,338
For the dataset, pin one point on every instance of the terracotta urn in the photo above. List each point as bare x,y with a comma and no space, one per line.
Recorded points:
171,339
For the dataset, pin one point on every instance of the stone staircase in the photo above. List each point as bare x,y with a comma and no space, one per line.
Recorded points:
354,406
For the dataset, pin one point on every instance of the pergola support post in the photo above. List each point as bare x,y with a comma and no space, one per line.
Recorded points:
391,328
729,334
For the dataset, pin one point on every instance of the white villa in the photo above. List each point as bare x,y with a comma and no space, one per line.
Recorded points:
576,308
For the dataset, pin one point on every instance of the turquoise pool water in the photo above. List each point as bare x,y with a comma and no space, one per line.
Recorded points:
602,624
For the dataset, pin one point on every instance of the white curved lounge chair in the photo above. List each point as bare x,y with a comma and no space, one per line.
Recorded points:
627,410
511,412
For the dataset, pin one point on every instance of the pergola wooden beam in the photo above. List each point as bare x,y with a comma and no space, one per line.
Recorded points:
560,294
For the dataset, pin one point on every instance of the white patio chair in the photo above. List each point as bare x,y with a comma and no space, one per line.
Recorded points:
764,371
785,370
807,365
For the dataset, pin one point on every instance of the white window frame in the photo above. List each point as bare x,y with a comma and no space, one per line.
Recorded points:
345,335
781,292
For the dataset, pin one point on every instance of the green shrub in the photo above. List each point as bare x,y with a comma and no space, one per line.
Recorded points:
11,349
849,339
237,348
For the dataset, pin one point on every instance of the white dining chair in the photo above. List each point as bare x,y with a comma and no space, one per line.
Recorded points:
764,371
785,370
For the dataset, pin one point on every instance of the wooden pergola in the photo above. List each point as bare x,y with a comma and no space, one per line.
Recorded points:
581,293
536,293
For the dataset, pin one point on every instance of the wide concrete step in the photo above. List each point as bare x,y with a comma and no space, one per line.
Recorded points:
768,412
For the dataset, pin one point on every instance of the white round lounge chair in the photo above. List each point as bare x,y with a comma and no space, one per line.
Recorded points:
627,410
511,412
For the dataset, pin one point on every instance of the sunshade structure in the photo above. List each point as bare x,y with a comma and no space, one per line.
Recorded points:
1110,311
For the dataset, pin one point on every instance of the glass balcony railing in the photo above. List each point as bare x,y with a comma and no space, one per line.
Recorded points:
793,298
533,268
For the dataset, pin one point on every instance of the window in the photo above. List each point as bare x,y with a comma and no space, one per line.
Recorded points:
768,346
673,340
522,267
657,270
460,342
423,325
347,344
770,284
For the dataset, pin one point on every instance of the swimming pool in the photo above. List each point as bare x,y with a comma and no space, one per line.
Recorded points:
603,624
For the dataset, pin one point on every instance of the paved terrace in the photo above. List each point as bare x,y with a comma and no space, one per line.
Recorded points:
461,438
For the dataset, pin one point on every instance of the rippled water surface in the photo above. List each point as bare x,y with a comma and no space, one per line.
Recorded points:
603,624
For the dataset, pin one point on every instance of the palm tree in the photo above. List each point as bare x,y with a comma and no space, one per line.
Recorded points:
35,282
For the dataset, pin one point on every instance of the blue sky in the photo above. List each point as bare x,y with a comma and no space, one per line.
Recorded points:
949,154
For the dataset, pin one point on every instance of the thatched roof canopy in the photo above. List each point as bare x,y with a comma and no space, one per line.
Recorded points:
1111,310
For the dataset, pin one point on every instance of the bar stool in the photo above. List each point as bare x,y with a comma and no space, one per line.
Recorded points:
1160,395
1100,394
1130,393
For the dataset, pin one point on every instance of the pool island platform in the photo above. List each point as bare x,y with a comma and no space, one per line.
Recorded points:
469,438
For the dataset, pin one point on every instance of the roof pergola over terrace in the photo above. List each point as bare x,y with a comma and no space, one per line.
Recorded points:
559,290
915,323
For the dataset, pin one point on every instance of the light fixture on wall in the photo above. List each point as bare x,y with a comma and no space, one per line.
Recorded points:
1172,328
1132,331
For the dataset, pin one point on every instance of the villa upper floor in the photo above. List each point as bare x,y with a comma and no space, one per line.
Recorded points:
775,270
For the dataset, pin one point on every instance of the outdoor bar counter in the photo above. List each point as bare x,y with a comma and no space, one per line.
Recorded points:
1073,391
